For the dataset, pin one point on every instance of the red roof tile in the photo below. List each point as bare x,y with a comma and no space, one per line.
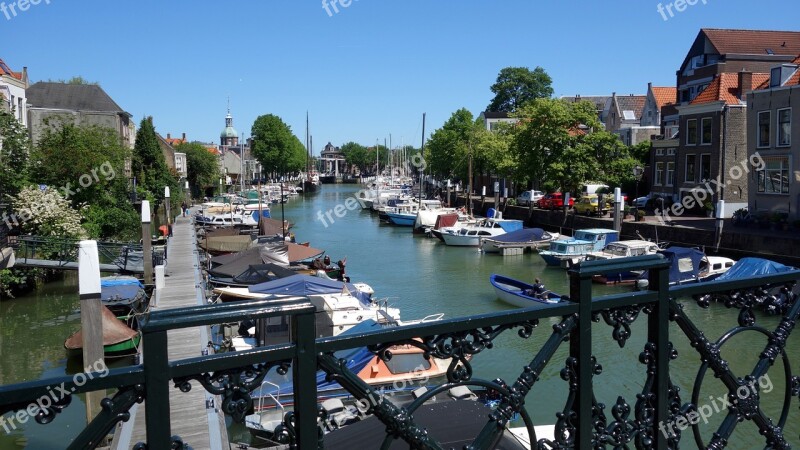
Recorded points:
754,42
725,88
5,70
665,96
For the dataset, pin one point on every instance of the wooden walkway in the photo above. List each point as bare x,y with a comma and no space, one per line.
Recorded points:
200,427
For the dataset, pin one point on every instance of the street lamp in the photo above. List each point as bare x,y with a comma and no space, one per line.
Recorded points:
638,171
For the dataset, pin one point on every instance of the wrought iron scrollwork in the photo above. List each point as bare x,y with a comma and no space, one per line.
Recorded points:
458,347
621,319
47,414
176,443
234,386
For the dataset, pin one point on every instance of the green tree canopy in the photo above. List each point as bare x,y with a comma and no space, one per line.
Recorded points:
149,166
357,155
14,159
448,148
516,86
275,147
202,166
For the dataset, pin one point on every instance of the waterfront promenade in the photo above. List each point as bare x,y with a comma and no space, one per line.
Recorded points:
195,415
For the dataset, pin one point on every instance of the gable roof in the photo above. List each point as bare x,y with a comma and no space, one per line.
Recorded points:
5,70
72,97
753,42
794,80
634,103
725,88
664,96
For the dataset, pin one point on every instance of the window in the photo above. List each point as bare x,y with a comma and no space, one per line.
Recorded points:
705,166
691,132
706,127
670,152
785,126
670,174
659,152
763,128
774,179
690,159
659,173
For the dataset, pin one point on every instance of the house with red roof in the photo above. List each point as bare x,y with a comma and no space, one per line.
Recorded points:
13,87
773,185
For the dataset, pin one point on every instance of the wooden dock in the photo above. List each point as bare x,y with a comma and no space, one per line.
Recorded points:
195,416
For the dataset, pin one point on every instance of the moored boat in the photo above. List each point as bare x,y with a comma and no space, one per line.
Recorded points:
567,252
622,249
471,235
526,238
119,340
521,294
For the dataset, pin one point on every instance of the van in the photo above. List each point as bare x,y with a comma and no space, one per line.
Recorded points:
592,188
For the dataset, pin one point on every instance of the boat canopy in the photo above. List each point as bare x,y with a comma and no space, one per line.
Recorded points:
304,285
684,263
749,267
523,235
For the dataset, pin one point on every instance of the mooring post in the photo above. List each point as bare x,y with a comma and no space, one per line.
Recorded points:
91,319
720,222
169,210
147,244
618,209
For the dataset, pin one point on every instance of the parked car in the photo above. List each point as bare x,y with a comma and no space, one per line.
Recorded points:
641,202
554,201
528,197
591,205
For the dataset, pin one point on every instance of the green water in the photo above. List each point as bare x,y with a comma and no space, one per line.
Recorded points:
422,276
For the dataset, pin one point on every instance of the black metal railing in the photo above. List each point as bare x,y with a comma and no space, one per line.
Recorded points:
582,423
63,252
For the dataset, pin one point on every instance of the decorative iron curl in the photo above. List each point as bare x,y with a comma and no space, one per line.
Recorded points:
747,300
620,319
459,347
176,443
233,385
47,414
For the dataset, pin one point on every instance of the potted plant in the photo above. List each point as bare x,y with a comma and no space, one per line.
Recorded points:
640,215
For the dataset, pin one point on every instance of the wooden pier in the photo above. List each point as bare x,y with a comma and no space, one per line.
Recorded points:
195,416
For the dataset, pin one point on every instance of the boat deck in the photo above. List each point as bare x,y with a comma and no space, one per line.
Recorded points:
197,425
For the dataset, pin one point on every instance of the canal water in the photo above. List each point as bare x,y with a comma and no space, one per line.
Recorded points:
421,276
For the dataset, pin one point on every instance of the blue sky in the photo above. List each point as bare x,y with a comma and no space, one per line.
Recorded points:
363,73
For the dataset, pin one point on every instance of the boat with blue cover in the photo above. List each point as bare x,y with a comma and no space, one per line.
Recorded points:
690,265
470,236
533,238
567,252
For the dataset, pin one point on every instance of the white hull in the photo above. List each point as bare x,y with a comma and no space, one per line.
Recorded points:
457,240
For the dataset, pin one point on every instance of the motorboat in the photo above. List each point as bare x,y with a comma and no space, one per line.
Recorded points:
125,296
689,265
428,214
521,294
520,240
567,252
622,249
470,235
403,215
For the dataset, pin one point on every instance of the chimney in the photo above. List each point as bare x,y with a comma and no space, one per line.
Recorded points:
169,136
183,137
745,84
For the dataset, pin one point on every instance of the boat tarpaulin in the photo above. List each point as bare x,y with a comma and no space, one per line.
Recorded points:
271,226
678,257
114,332
749,267
304,285
262,273
226,244
523,235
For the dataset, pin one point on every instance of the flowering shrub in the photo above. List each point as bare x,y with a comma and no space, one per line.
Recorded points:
45,212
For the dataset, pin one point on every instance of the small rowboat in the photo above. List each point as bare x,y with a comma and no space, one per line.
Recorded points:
513,292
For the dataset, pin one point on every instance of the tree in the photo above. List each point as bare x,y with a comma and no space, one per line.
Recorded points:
516,86
449,147
202,166
14,159
45,212
357,155
274,145
149,165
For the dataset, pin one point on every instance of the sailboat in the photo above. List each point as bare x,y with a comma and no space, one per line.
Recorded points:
311,183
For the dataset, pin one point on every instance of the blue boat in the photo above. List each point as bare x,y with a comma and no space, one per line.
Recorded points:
567,252
519,293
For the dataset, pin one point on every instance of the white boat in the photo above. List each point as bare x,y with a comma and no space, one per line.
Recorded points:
429,211
532,238
246,218
622,249
470,236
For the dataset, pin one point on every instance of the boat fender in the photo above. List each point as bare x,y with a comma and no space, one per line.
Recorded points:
359,318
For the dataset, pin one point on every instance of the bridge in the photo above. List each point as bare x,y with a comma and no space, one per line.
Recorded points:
56,253
637,419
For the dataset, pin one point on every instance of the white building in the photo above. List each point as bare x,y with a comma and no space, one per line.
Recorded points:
12,88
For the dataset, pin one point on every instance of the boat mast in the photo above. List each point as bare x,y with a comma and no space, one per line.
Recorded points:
422,154
308,151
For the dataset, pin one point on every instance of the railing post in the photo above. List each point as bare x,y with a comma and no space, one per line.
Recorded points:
157,383
305,380
580,348
658,333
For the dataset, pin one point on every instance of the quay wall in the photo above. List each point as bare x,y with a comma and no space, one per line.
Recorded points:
737,242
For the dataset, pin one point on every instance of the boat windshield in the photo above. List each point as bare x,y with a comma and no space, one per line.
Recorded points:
408,363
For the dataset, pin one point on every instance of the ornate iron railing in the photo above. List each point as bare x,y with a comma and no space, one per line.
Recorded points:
581,424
